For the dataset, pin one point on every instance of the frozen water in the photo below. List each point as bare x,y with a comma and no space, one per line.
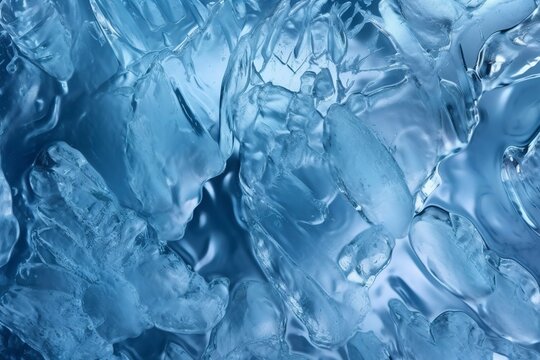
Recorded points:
39,32
505,295
134,27
451,335
366,255
99,258
362,173
253,328
372,180
8,223
366,346
161,176
520,176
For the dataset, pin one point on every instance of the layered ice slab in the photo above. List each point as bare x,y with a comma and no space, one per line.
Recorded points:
505,296
452,335
154,150
97,276
253,327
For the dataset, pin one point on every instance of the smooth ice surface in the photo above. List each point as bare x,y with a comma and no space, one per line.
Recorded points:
362,174
372,179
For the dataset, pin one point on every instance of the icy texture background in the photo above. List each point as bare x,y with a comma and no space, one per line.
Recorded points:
265,179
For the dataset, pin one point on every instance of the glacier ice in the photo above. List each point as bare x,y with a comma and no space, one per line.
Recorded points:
360,173
161,176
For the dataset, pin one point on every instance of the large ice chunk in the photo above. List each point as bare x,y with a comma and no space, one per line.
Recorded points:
297,238
371,178
40,33
101,257
505,295
164,151
452,335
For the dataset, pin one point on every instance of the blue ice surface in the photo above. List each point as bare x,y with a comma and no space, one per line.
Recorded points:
281,179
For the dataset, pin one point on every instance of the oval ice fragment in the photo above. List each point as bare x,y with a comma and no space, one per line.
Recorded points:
366,255
367,172
453,251
503,293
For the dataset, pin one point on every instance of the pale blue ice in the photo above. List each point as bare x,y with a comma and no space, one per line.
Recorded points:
269,179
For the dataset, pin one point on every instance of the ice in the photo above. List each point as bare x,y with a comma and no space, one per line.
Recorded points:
289,87
176,352
337,163
366,346
282,154
8,223
178,299
364,257
454,252
520,176
53,323
511,56
40,34
254,326
101,259
504,294
164,152
372,179
451,335
134,27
